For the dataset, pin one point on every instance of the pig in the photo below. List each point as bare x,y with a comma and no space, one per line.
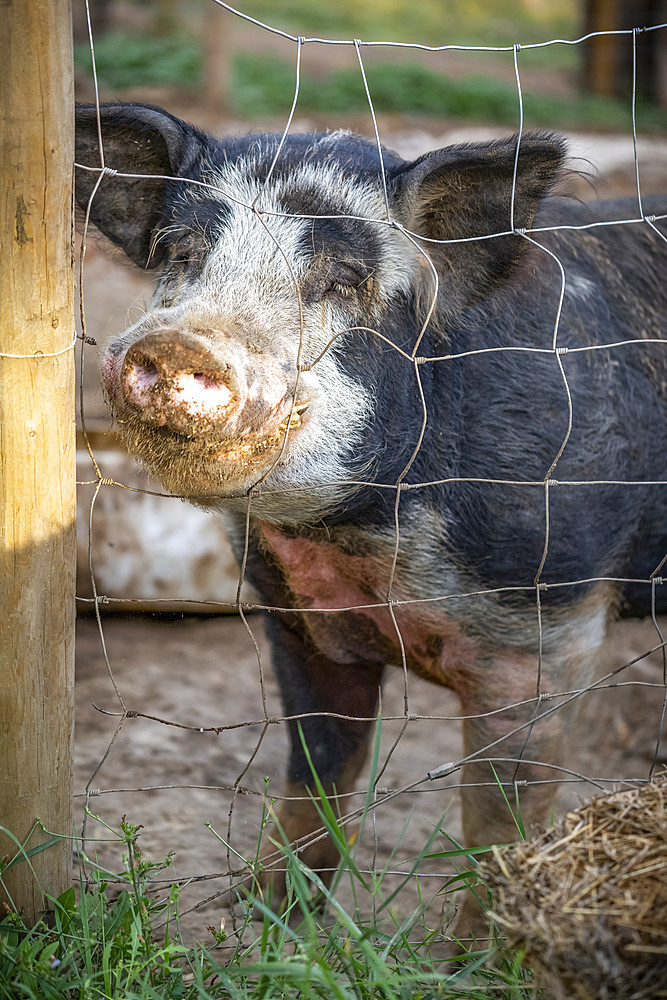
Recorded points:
394,377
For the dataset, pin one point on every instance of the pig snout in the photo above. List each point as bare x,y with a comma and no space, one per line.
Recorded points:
171,379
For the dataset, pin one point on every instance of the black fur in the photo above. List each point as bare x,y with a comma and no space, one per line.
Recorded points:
500,416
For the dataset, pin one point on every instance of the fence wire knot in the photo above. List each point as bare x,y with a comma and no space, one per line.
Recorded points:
108,172
442,771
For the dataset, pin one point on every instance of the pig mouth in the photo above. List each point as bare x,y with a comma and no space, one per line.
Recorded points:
258,444
159,442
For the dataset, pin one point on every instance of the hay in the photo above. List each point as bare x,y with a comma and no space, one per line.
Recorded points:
587,899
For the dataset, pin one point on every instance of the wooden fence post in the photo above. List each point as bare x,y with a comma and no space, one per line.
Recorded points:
37,446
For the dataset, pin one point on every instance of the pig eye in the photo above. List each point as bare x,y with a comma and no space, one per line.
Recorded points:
344,286
340,280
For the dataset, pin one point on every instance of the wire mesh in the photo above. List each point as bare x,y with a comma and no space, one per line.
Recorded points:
400,721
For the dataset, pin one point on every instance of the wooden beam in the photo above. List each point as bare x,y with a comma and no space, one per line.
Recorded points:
37,447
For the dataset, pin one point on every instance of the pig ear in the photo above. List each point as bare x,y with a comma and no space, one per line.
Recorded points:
466,191
137,139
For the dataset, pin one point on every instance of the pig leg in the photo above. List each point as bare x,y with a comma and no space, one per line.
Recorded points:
310,682
486,816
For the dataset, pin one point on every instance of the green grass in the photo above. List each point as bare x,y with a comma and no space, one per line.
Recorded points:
129,947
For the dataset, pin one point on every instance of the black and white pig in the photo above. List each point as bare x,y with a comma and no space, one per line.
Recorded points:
290,354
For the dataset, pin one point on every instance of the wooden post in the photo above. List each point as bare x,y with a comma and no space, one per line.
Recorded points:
599,52
608,59
37,446
218,67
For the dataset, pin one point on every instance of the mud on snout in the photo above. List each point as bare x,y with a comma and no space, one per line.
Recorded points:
204,413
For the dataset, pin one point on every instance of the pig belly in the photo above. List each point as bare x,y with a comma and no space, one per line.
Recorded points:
339,596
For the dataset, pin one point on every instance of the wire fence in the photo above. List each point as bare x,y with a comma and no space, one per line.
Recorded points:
245,794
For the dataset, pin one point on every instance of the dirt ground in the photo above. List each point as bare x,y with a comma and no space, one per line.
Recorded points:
203,673
200,673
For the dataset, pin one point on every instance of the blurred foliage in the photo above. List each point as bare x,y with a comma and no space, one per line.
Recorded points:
431,22
263,85
126,60
266,86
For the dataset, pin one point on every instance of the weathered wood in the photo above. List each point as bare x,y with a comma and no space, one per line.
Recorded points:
37,444
608,59
219,58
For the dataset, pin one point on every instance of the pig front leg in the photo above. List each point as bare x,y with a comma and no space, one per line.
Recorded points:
310,682
506,678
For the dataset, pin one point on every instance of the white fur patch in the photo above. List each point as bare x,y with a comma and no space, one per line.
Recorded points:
579,287
248,290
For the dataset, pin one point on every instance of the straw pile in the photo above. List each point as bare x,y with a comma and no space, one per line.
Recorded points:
587,899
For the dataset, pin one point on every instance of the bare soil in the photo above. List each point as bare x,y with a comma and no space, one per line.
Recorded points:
203,672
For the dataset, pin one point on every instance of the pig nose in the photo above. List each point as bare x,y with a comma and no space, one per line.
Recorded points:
175,380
